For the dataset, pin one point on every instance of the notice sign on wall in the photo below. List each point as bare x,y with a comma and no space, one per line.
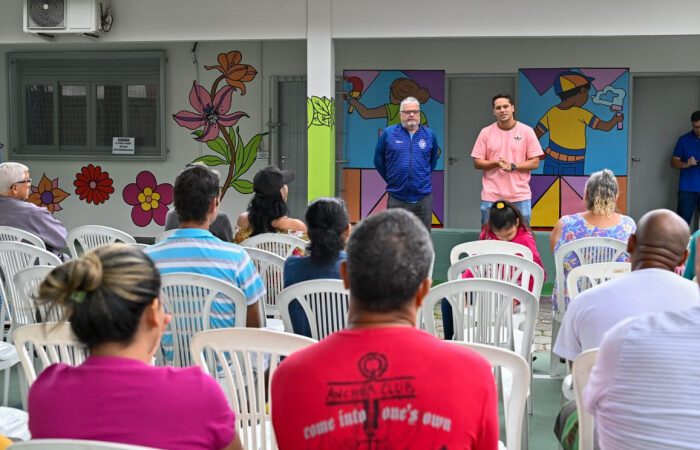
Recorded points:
123,145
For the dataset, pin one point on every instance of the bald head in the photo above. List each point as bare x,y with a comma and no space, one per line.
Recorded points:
661,241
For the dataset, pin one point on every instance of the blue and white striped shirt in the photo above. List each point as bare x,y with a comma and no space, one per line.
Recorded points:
194,250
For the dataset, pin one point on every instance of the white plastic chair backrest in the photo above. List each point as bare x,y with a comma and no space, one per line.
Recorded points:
518,367
587,276
270,267
89,237
500,266
589,251
165,234
15,256
73,444
13,234
581,371
278,243
488,246
23,304
488,315
52,342
325,303
241,376
189,297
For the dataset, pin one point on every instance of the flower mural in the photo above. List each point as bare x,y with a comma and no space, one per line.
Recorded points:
236,74
149,199
47,194
93,185
212,123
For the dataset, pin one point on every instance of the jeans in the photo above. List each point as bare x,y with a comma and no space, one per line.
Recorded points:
423,208
555,167
688,203
299,323
524,206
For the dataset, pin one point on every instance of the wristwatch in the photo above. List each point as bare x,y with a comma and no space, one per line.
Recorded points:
512,167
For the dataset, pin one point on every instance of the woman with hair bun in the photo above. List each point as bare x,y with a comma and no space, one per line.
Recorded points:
328,228
599,220
110,296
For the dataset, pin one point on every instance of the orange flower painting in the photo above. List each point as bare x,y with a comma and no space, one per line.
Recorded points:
47,194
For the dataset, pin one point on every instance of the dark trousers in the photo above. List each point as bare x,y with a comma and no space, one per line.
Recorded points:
688,203
423,208
447,325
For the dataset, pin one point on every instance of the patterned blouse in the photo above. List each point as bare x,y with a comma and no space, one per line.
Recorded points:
576,227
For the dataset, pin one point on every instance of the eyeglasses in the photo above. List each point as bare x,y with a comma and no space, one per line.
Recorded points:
28,180
413,111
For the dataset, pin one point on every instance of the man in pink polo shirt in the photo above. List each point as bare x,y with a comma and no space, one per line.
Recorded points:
507,151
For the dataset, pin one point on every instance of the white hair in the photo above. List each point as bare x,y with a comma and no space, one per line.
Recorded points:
11,173
409,100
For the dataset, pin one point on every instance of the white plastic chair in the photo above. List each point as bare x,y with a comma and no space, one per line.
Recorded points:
24,308
15,256
90,237
488,246
589,251
189,297
53,342
16,235
587,276
270,267
165,235
505,267
581,371
73,444
325,303
140,245
515,410
241,377
278,243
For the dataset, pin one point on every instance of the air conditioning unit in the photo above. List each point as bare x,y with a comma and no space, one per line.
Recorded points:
61,16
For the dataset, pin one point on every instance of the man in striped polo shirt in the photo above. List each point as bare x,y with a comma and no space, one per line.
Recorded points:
192,248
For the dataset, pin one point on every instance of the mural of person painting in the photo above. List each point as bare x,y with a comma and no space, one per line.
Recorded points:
400,89
566,123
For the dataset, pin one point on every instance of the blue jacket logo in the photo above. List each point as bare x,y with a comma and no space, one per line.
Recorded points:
422,144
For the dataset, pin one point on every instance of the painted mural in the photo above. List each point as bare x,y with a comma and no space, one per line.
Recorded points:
213,123
93,185
47,194
579,116
320,124
373,98
149,200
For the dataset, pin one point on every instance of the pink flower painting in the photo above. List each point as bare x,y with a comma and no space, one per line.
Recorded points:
210,114
149,199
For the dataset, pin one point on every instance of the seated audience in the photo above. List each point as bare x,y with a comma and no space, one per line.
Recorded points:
642,390
599,220
377,382
329,228
267,211
505,223
111,299
193,249
656,248
15,211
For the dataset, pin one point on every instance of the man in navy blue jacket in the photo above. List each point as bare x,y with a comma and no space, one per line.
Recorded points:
405,156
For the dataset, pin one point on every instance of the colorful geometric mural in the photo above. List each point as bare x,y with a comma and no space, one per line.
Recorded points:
373,98
47,194
579,116
149,199
93,185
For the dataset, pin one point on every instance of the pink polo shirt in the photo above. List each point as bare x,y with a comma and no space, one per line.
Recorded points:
124,400
515,145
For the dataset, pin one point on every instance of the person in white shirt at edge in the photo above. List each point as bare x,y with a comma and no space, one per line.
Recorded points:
643,391
657,247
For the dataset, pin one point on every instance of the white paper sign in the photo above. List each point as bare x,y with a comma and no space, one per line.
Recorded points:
123,145
263,155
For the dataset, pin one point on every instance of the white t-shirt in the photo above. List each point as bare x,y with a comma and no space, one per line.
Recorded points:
593,312
644,390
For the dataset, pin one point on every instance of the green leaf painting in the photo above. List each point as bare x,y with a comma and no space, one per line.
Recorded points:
320,111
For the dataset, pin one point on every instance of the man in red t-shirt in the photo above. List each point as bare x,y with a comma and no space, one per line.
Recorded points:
382,383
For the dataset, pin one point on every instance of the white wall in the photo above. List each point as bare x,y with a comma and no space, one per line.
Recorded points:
279,58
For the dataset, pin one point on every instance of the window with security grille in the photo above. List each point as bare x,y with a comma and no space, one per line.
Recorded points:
72,105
